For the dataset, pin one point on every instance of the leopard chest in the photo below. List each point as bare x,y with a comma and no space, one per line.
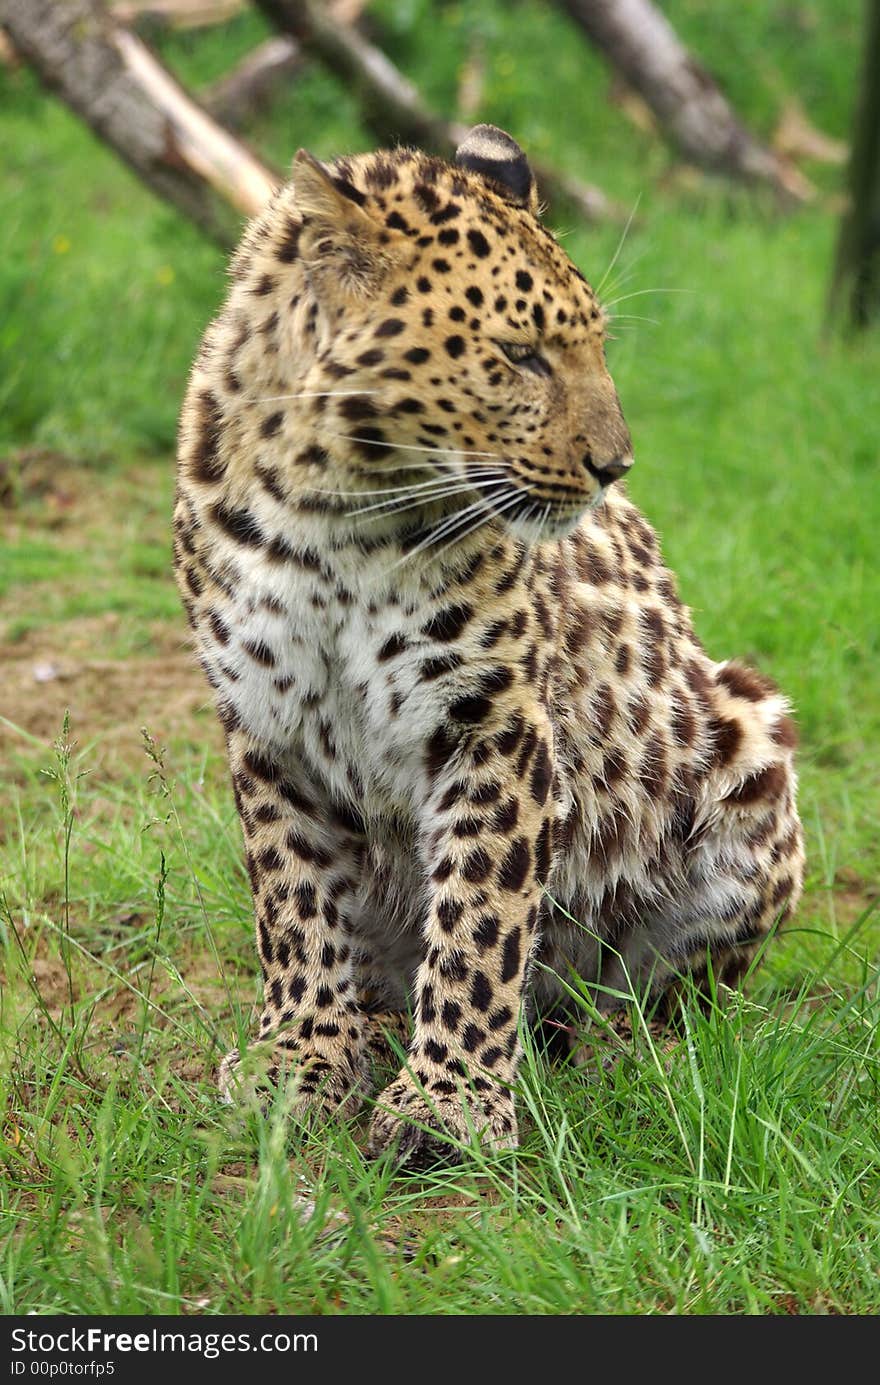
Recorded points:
327,660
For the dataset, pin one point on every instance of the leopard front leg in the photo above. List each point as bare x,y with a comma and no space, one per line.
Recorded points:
487,840
303,868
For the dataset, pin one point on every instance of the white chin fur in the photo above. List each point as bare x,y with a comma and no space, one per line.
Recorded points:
534,530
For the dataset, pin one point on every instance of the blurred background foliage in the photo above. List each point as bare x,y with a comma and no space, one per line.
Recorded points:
85,244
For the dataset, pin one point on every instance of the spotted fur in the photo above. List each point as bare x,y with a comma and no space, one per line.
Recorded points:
476,746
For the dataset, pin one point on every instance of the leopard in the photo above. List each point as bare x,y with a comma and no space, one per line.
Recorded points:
484,767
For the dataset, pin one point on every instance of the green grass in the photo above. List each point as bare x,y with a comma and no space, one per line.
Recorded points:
734,1175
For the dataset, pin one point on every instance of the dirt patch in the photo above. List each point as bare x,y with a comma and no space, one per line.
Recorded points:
50,977
118,1000
70,667
38,473
116,670
854,896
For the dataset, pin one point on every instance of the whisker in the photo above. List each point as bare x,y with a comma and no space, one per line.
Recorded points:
433,465
406,502
414,486
530,512
633,317
626,272
597,290
481,517
452,485
414,473
480,520
506,502
439,530
640,293
411,473
310,394
450,522
413,447
376,470
429,469
534,509
469,521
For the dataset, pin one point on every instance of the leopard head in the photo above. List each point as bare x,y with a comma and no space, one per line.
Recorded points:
419,330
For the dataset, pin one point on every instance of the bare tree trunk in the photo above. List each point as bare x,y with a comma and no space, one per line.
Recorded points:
643,47
112,80
856,288
393,107
251,85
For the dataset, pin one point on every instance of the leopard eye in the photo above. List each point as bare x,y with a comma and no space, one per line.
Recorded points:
521,353
517,351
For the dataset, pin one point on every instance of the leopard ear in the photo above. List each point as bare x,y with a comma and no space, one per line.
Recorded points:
339,243
493,154
318,196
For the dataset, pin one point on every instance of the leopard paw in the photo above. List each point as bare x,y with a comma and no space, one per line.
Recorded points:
422,1128
314,1084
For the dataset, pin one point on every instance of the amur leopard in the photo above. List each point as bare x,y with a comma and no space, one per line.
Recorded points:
476,747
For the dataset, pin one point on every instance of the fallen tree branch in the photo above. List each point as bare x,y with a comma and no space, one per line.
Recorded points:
393,107
643,47
120,89
176,14
250,86
796,137
8,56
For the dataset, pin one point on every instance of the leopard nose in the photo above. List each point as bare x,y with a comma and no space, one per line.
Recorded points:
608,471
